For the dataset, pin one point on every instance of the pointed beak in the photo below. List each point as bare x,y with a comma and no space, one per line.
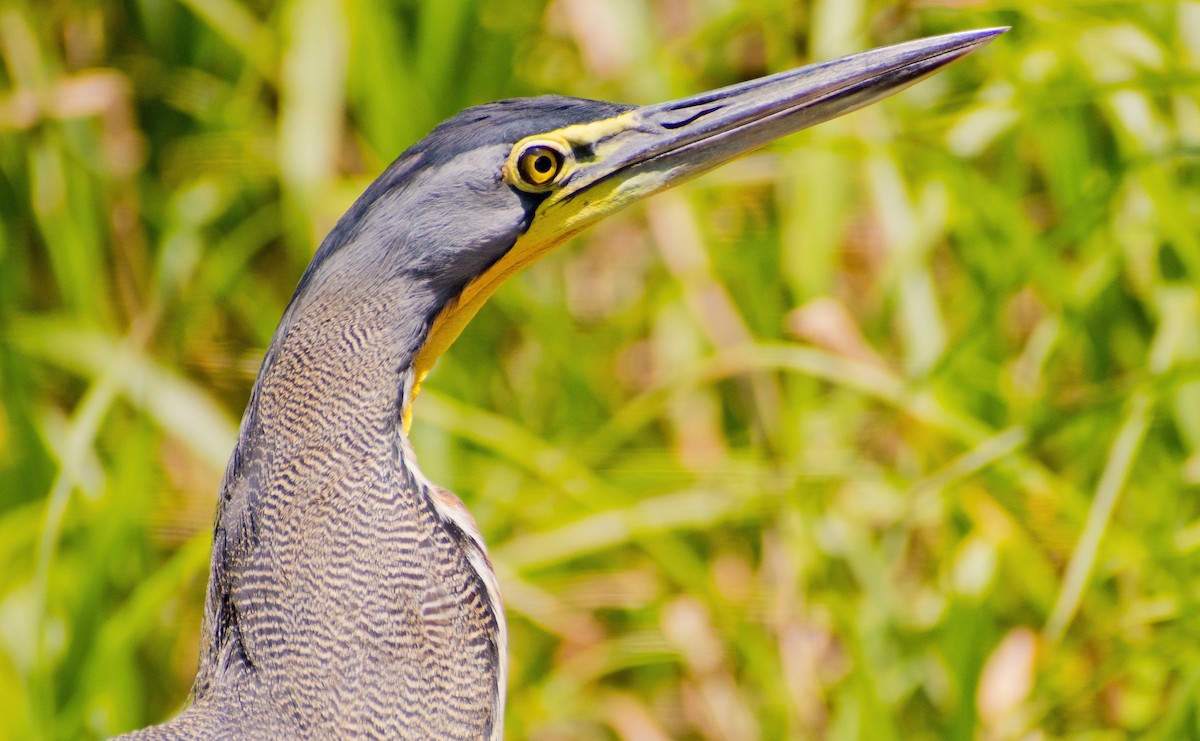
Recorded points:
657,146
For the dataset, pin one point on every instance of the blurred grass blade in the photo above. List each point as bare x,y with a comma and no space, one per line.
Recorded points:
238,26
178,406
1083,560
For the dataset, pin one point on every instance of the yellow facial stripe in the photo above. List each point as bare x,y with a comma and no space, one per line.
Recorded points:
597,131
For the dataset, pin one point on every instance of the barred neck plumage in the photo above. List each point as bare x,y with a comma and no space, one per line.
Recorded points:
339,570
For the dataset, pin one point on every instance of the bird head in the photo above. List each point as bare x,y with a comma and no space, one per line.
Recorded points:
499,185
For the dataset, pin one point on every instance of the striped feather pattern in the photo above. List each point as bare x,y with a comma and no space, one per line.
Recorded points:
348,597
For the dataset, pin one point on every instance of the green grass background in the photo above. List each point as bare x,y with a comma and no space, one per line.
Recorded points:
889,431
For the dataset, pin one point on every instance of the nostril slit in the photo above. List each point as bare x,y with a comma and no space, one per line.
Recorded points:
690,119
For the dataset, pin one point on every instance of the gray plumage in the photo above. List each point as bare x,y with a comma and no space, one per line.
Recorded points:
348,596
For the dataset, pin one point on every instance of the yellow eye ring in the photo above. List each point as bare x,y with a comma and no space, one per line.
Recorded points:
537,165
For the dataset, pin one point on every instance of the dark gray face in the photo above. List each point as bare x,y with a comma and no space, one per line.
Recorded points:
441,213
444,223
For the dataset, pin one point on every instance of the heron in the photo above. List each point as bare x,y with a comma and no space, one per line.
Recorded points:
348,595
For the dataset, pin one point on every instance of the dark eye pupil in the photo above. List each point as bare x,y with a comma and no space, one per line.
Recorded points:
539,165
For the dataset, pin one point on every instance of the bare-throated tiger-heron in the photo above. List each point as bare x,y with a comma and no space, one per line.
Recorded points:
348,596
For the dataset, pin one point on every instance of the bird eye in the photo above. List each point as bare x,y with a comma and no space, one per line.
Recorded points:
539,164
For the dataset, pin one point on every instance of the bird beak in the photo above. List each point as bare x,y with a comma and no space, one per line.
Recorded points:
655,147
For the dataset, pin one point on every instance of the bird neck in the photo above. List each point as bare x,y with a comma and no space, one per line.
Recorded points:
342,359
327,526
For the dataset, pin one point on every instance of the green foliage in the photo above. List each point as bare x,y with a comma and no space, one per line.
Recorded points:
891,431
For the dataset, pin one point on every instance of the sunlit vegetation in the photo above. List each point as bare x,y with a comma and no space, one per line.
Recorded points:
890,431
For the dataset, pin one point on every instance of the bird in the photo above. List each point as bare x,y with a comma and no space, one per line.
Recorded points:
348,595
